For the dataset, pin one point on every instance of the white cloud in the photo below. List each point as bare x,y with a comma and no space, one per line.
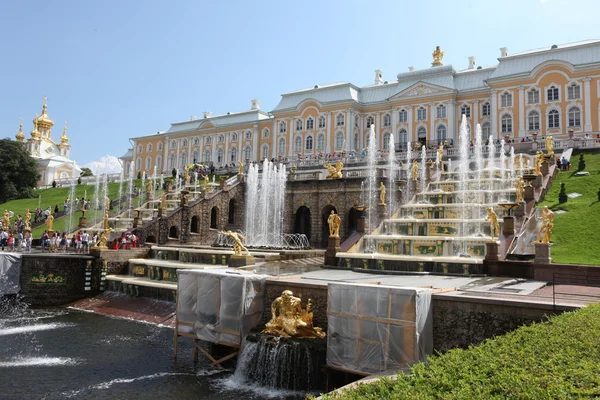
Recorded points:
544,1
105,165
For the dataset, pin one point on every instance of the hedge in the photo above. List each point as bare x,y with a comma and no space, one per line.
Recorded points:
555,359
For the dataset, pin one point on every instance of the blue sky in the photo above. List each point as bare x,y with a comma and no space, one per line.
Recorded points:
119,69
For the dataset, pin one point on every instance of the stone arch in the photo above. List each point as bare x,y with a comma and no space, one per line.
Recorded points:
324,225
173,232
231,212
302,221
354,216
214,214
195,224
151,239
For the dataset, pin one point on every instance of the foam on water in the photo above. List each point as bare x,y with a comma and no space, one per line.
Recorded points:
234,384
37,361
32,328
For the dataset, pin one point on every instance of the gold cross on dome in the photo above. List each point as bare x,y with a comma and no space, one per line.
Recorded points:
45,98
66,122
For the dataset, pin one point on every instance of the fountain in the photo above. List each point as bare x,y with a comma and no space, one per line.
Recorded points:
121,178
392,168
142,189
154,183
97,191
129,190
408,164
371,185
71,200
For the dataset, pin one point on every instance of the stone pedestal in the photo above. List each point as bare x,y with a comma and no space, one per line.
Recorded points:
136,222
545,168
413,187
520,210
333,247
537,182
161,211
492,251
82,222
508,228
542,253
236,261
528,193
382,211
361,224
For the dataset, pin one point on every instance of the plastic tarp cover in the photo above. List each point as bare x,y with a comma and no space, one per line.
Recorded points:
222,307
10,273
373,328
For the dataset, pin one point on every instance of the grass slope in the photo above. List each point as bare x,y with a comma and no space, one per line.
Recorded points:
575,234
557,359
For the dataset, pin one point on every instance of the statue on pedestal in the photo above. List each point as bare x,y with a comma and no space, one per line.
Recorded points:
334,222
382,194
238,242
163,201
440,155
549,145
335,171
27,220
519,186
289,319
5,220
547,225
241,169
414,171
494,226
187,176
50,223
103,240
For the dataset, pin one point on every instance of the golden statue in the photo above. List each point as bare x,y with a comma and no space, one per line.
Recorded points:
27,220
414,171
334,222
163,201
187,176
50,223
205,181
105,220
5,219
335,171
241,169
520,185
549,145
289,319
494,226
382,194
437,54
148,186
537,161
547,225
238,242
103,240
440,155
107,203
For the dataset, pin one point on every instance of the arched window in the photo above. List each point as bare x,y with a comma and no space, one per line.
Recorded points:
553,119
264,151
208,140
421,114
465,110
506,100
573,91
248,135
281,149
386,141
309,143
184,143
387,120
339,141
485,130
402,136
552,93
422,134
148,163
486,109
533,121
231,213
184,159
173,144
369,121
159,163
266,133
149,147
339,120
140,148
356,119
506,123
221,139
248,153
138,164
574,117
207,156
533,96
441,111
282,127
402,116
298,144
441,133
310,124
220,156
321,142
233,156
171,161
234,136
214,213
195,157
356,141
160,146
196,141
298,124
321,122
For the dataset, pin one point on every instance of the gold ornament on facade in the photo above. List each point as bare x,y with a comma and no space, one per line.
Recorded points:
335,171
289,319
547,225
438,55
35,133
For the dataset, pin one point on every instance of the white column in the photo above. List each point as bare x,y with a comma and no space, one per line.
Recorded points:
177,155
587,105
255,153
394,128
450,107
494,113
475,114
432,133
522,111
166,155
274,140
291,137
239,146
214,149
328,147
409,120
349,124
134,169
189,151
227,139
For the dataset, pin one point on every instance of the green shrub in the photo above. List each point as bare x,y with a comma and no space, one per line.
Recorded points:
557,359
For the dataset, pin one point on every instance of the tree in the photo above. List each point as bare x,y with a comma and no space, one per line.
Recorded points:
86,172
20,171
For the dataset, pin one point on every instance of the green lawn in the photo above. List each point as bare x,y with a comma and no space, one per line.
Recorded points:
575,234
557,359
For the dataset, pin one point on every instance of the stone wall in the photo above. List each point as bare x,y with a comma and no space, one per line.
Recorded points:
117,260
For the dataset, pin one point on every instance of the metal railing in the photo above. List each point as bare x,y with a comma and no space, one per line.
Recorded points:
574,280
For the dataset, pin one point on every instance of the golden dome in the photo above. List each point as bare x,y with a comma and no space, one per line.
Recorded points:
64,139
35,134
20,136
44,121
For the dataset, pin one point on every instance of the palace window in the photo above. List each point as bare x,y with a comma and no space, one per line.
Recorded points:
339,141
422,134
138,164
220,156
574,92
574,117
421,114
309,143
281,149
356,144
386,141
282,127
533,96
266,133
183,159
310,124
184,143
506,100
148,163
195,157
356,120
387,120
207,156
221,139
553,119
247,153
552,93
264,151
485,109
298,144
149,148
171,161
485,130
233,156
196,142
321,142
321,122
173,144
402,116
441,133
298,124
402,136
140,148
506,123
248,135
234,137
533,121
208,140
466,111
369,121
160,146
441,111
158,162
339,120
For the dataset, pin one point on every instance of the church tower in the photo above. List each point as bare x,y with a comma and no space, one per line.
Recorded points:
64,145
35,141
20,136
44,123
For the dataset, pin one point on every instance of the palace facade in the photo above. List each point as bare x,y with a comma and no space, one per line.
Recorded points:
552,90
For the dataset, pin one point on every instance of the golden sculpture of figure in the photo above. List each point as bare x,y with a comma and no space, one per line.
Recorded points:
27,220
538,162
334,222
289,319
494,226
103,240
547,225
520,185
5,219
238,242
148,186
205,181
549,145
437,54
50,223
335,171
241,169
107,202
440,155
105,220
163,201
414,171
382,194
187,176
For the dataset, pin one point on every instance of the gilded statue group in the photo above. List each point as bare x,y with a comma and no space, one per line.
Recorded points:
335,171
289,319
238,242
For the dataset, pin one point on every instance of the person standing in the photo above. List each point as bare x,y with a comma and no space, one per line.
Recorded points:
3,238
